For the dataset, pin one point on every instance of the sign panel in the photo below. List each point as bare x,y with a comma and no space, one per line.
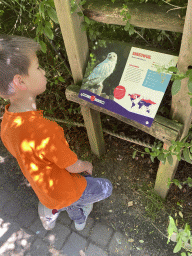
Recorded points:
130,87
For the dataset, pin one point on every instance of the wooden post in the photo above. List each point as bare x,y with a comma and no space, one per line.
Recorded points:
94,130
76,45
74,38
180,109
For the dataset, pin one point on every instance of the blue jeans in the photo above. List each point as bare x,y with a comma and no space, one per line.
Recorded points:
97,189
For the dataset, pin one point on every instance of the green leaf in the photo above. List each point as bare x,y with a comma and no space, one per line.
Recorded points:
186,155
190,85
152,158
172,227
127,26
61,79
191,102
82,2
43,46
131,30
41,10
147,150
52,14
178,246
161,157
169,182
187,228
48,24
48,32
87,20
183,254
176,87
39,29
173,69
170,159
134,154
179,157
189,182
177,183
80,14
159,38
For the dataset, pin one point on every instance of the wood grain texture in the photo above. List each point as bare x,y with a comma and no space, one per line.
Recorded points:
148,15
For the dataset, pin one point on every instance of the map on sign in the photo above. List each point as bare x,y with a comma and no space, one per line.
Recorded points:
138,92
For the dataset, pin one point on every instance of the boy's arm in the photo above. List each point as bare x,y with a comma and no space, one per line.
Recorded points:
80,166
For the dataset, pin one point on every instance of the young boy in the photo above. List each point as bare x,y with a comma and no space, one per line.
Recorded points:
38,144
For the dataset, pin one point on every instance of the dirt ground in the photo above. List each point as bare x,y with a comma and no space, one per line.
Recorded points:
133,207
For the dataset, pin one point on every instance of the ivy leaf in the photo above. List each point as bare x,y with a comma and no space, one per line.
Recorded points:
52,14
43,46
48,32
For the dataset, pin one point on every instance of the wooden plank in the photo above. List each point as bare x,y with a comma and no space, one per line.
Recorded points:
144,15
74,38
162,128
180,109
165,172
94,130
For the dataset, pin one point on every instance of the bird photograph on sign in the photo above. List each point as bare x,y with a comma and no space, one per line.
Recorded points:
94,82
124,79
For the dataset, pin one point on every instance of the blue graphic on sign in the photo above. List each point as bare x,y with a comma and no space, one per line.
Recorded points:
156,81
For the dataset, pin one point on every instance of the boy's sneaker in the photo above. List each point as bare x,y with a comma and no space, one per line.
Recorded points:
86,210
47,217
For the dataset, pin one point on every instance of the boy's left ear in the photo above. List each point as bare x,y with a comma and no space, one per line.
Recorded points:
17,81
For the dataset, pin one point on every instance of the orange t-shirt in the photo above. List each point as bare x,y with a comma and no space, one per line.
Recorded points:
43,153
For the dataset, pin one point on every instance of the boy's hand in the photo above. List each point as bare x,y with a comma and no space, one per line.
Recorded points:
88,167
80,166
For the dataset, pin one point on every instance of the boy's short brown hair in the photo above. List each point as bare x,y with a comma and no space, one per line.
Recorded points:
15,54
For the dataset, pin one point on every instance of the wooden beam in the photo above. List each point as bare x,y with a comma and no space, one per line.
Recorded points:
74,38
162,128
180,109
144,15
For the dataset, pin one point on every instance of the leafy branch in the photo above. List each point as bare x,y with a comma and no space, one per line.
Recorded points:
182,237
